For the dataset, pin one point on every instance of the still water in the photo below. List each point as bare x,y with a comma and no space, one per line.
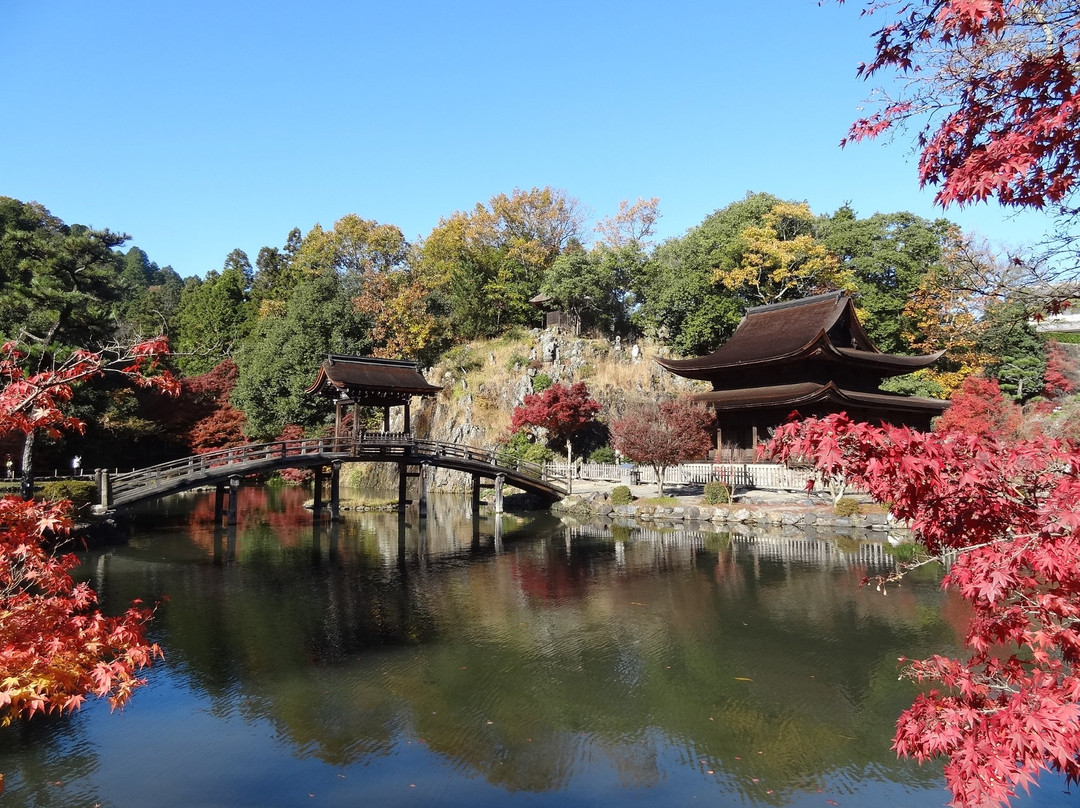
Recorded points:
435,663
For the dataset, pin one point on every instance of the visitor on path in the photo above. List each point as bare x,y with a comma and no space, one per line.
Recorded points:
76,465
10,468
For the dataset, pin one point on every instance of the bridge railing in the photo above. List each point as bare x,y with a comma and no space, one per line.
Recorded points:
392,445
496,459
221,459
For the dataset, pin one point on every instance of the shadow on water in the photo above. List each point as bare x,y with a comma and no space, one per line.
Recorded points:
459,661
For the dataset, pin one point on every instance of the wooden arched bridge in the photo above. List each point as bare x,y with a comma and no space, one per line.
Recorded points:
226,467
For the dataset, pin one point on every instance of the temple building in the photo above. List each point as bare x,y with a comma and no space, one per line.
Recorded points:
809,356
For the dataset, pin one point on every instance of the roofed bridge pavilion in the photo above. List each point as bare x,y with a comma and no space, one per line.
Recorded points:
362,381
810,356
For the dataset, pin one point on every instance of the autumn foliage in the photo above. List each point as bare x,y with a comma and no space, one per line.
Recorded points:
55,647
562,411
1011,510
994,85
664,434
1059,367
979,409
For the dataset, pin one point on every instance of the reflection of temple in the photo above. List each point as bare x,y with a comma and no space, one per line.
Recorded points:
809,356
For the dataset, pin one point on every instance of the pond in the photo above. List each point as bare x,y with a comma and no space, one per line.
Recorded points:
447,663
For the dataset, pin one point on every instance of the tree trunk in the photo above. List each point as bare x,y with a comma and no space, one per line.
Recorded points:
569,468
27,480
659,479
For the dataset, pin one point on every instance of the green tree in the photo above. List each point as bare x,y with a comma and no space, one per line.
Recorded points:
889,255
214,315
483,266
676,292
586,286
283,355
58,283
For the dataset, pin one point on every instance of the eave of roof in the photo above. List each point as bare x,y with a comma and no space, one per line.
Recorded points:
804,393
374,379
793,331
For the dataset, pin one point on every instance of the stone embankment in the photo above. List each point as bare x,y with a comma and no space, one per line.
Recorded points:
799,515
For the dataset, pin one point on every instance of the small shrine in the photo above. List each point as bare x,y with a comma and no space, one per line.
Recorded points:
810,356
364,381
554,318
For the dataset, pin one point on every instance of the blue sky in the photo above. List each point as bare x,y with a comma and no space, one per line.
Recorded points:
202,126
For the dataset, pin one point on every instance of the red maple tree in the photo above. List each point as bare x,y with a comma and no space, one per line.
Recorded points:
218,424
994,86
979,408
1011,509
1060,367
563,411
663,434
55,647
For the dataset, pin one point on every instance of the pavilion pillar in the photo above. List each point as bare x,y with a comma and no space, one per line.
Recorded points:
337,419
386,419
335,491
719,443
408,425
355,423
402,479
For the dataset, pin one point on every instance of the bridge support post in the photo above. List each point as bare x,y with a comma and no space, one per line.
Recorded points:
423,490
335,491
476,496
499,480
234,489
401,482
316,507
219,504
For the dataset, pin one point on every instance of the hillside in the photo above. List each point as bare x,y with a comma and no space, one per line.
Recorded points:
483,381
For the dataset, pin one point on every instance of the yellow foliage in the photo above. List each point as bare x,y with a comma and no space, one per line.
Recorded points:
780,258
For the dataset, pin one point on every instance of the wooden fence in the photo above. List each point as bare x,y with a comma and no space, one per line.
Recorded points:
736,475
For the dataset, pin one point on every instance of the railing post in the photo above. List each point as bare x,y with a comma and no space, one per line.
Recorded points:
103,486
499,480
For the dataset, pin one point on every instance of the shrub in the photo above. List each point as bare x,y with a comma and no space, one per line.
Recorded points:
463,358
541,382
81,493
603,454
716,493
847,506
521,447
517,362
620,495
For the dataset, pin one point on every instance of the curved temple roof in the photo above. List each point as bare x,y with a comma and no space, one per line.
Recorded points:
799,329
366,380
805,394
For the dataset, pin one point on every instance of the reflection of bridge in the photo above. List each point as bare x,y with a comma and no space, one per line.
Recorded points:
225,467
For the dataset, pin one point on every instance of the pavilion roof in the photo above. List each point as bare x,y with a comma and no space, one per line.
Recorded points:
799,330
370,381
802,394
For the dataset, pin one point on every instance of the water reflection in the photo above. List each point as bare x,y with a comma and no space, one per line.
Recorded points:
574,665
